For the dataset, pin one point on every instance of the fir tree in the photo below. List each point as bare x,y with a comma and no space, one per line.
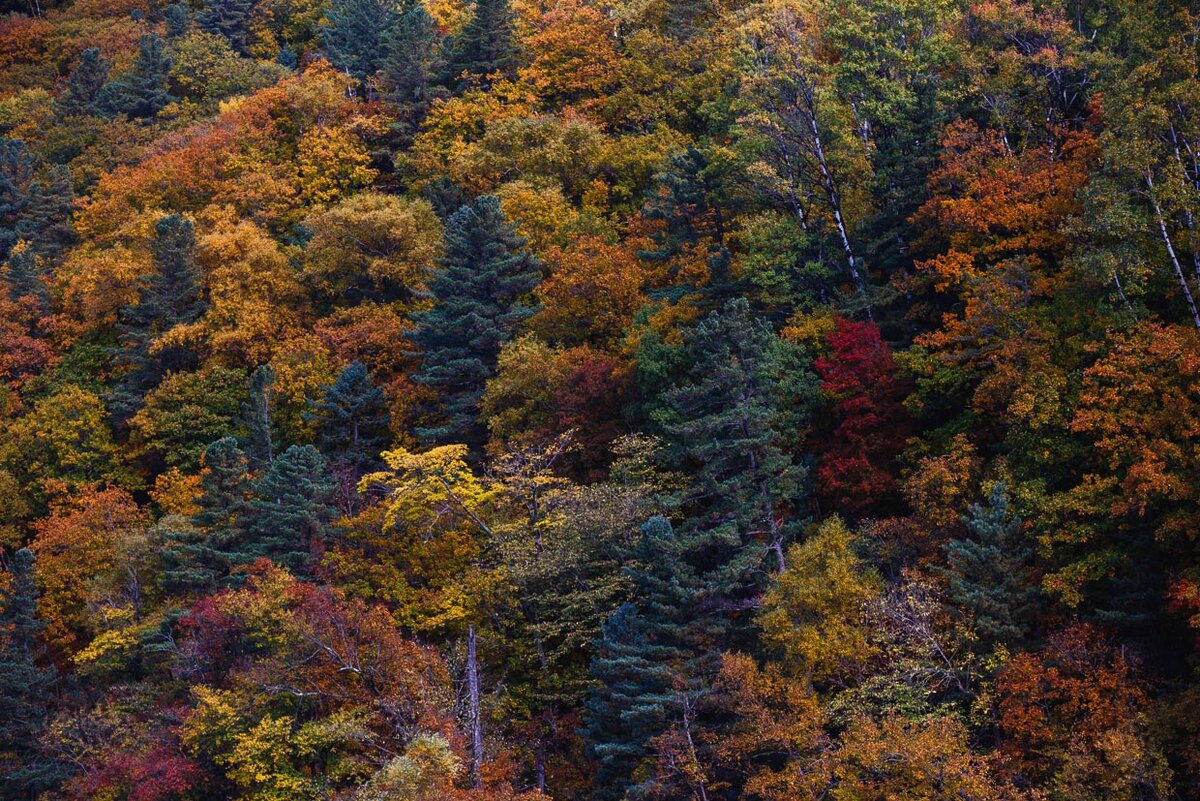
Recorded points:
169,296
353,33
484,274
231,19
202,556
722,422
23,278
352,418
990,576
292,510
486,45
81,92
260,446
178,18
32,210
641,662
410,51
24,687
142,92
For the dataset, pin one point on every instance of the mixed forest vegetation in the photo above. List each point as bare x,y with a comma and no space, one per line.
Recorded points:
502,400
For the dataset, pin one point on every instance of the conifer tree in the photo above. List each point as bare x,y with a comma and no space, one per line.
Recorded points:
353,34
203,555
23,278
81,92
32,210
642,661
352,419
169,296
24,686
142,92
484,274
486,45
178,18
745,497
410,60
292,510
989,574
231,19
260,444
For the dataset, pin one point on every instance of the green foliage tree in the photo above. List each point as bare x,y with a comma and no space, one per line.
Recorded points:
408,67
168,296
231,19
292,509
260,440
990,575
33,210
24,686
484,276
354,32
142,92
352,419
486,45
81,93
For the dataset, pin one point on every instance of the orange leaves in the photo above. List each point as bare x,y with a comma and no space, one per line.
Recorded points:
574,54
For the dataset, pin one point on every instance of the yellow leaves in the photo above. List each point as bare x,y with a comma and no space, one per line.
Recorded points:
332,162
388,240
816,611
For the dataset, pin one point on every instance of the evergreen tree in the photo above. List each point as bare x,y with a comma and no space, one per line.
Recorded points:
353,34
231,19
142,92
81,92
722,423
24,687
292,510
24,279
178,18
35,211
485,272
693,201
410,52
486,45
641,662
990,576
202,556
169,296
352,419
260,445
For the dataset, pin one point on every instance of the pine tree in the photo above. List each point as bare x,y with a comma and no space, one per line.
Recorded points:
353,34
81,92
169,296
231,19
721,422
484,274
202,556
486,45
178,18
24,278
642,661
142,92
35,211
352,419
292,510
990,575
410,52
260,445
24,687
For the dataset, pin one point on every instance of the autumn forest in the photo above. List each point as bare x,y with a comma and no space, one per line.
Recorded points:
599,400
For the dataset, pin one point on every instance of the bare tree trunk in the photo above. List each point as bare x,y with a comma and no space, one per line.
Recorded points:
476,719
1166,238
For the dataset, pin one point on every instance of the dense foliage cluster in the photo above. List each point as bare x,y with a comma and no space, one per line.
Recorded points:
501,400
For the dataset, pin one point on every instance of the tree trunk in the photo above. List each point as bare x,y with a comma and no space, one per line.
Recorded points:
476,719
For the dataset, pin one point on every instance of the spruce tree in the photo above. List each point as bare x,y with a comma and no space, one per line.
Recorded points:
352,419
231,19
178,17
642,662
17,188
202,556
484,274
989,574
353,33
36,211
23,278
744,501
486,45
410,52
169,296
81,92
292,508
142,92
24,686
260,442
